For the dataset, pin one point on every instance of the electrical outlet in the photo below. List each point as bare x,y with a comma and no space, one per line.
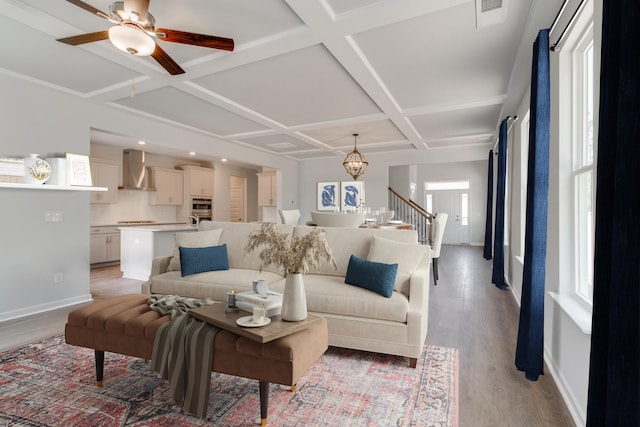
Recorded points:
53,216
58,277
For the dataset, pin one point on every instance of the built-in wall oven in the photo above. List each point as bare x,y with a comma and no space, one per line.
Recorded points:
202,207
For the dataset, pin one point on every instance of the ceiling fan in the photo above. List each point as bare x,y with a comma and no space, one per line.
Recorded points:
135,29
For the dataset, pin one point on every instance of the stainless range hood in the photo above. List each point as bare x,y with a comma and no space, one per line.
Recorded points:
135,176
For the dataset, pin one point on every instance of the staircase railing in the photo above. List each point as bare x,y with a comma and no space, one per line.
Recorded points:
410,212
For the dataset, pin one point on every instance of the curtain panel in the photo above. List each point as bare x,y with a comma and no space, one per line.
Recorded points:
530,344
488,231
614,374
497,275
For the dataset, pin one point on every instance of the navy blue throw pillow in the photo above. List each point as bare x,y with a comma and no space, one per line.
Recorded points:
199,260
375,276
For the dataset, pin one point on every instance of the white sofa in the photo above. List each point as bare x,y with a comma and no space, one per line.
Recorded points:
357,318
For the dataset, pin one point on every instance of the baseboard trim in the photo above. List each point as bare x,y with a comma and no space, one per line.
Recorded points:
42,308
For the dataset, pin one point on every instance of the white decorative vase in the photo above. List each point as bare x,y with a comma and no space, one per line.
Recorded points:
294,300
36,171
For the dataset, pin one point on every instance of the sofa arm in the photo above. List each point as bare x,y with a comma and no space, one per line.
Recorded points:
418,316
160,265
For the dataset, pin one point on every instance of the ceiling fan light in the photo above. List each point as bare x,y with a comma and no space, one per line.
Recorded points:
132,40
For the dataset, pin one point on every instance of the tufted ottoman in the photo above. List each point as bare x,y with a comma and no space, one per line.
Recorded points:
126,325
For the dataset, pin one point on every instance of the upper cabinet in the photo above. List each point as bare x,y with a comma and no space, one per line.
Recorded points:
105,174
168,184
267,189
198,181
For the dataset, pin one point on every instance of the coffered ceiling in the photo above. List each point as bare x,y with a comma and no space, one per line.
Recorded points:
407,75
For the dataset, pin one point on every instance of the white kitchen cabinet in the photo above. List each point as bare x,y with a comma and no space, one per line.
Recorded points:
105,245
198,181
104,174
267,189
169,186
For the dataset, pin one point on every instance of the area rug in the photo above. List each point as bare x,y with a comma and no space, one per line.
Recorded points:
50,383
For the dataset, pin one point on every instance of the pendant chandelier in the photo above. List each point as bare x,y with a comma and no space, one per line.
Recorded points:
355,163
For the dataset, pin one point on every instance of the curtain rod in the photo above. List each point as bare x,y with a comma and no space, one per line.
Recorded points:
555,47
513,122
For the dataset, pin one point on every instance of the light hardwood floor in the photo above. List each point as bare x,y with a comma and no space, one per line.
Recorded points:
466,311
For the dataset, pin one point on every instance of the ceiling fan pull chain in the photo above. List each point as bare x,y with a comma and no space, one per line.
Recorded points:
133,89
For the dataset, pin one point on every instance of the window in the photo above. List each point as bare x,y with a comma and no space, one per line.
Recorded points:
583,170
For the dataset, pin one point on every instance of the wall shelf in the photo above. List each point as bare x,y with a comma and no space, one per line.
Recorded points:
50,187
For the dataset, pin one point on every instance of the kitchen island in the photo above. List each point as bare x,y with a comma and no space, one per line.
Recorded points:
140,245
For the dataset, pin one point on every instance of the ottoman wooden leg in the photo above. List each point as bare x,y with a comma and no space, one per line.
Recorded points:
264,402
99,367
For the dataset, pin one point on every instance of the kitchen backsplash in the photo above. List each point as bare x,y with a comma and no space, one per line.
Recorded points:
133,205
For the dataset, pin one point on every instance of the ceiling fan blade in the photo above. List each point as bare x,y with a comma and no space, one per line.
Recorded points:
138,7
90,9
86,38
165,60
194,39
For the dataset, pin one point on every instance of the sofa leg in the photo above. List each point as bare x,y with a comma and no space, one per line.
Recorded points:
294,388
413,362
99,367
264,402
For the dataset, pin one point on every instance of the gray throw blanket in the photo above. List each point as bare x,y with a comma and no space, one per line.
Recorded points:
183,351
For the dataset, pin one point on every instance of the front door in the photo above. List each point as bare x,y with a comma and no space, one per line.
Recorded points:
456,204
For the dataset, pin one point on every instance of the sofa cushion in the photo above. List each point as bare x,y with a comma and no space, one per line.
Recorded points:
345,242
375,276
236,236
199,239
212,284
330,295
199,260
408,258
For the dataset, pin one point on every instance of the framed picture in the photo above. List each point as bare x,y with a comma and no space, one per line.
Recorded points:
328,196
78,170
351,195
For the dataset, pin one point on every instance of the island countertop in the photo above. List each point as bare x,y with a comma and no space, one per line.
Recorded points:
160,227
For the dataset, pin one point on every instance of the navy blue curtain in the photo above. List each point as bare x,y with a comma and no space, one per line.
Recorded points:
529,357
489,220
497,276
614,375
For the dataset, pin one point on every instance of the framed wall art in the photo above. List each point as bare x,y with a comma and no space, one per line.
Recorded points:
351,195
78,170
328,196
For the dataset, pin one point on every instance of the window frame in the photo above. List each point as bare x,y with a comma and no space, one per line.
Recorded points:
581,166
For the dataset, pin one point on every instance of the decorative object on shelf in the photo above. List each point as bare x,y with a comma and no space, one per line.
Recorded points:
328,196
295,255
355,163
58,171
36,170
78,169
352,195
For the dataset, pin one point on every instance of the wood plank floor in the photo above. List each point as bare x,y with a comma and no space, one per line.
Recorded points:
466,311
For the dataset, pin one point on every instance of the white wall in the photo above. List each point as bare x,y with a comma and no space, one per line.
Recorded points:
37,119
376,177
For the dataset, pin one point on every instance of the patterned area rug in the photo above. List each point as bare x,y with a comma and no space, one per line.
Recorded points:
50,383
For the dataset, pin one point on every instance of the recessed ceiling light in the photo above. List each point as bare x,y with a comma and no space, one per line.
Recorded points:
192,153
141,142
224,160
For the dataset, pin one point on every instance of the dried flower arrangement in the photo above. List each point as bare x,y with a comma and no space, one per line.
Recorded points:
292,254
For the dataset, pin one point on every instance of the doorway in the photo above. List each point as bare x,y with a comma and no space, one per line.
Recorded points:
452,198
238,202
